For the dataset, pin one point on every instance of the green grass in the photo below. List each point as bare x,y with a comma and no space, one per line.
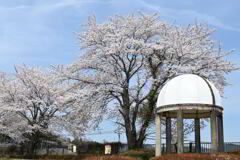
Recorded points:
139,154
11,159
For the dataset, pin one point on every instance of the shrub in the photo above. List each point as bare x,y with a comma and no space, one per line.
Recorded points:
89,147
110,157
195,156
12,149
139,154
237,152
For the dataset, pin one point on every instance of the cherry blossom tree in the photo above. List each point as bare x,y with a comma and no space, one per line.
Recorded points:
128,58
34,102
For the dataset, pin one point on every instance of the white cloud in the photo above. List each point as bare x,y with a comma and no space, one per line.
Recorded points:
49,5
42,28
186,15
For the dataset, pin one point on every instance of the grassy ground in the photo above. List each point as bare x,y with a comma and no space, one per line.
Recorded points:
111,157
143,155
194,156
11,159
129,155
198,157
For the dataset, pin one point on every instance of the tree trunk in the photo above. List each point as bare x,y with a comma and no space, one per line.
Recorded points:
131,139
34,141
32,148
134,141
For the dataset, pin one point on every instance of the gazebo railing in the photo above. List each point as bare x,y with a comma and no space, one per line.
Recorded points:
231,146
205,147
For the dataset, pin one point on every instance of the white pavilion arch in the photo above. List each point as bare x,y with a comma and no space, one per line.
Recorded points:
189,96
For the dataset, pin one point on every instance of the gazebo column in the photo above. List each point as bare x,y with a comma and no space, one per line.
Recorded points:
197,135
180,131
168,134
220,133
214,139
158,135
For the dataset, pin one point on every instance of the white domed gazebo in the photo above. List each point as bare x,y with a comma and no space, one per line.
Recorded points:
189,96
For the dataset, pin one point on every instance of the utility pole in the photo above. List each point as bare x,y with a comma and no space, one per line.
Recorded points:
118,132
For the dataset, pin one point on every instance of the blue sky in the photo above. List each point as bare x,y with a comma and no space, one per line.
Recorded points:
41,32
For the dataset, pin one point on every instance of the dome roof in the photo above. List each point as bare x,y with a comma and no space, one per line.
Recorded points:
189,89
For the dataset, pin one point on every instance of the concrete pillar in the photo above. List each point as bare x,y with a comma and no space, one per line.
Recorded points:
214,139
197,135
158,135
220,133
180,131
168,134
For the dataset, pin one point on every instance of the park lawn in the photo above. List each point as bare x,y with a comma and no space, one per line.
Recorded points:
196,156
142,155
12,159
112,157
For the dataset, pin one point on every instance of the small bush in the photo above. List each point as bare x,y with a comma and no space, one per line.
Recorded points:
53,157
110,157
237,152
12,149
62,157
78,157
139,154
195,156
